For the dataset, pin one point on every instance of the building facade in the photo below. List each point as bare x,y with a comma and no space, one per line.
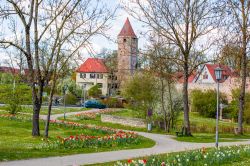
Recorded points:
93,72
204,79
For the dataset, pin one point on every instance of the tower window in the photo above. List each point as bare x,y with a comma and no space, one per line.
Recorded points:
124,40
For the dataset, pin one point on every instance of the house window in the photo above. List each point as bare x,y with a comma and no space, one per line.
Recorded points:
99,85
205,76
97,76
101,76
92,75
82,75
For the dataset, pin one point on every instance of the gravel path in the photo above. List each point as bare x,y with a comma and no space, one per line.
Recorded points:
164,144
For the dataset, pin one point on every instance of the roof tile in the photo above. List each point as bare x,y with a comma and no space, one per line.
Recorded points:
93,65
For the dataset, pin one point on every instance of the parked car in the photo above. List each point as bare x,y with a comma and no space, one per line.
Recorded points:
93,104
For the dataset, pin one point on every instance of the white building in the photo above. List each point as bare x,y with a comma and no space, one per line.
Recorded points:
93,71
207,76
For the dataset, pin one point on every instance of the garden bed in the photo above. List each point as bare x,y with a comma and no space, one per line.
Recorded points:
200,157
65,138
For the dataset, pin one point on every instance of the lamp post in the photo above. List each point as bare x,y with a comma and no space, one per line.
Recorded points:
218,75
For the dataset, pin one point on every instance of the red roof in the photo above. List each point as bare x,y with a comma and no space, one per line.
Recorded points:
226,70
127,30
93,65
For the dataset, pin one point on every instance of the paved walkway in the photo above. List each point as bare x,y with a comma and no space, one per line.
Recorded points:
164,144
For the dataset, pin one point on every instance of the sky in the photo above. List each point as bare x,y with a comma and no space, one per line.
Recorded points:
100,42
116,26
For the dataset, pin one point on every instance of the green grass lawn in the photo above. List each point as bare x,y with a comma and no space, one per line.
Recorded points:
209,138
17,143
44,110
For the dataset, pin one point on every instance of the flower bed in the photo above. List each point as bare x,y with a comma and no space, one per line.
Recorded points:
200,157
92,115
112,138
17,117
85,141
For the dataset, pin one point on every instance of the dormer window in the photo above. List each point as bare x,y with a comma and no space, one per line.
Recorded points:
205,75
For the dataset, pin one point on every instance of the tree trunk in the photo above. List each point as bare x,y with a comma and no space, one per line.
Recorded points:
46,132
171,119
36,111
162,105
243,68
186,126
242,92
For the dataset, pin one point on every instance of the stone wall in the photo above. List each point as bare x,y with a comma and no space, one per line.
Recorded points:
133,122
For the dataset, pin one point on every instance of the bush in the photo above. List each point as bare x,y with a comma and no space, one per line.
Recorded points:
70,99
205,102
112,103
95,91
24,90
14,101
234,105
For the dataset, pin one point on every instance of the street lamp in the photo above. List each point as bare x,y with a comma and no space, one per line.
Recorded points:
218,76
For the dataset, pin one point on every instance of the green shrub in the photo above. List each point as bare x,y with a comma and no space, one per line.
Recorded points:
95,91
7,89
112,103
205,102
234,105
14,101
70,99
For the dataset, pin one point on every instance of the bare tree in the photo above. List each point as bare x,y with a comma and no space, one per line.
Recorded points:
157,58
183,23
64,26
236,18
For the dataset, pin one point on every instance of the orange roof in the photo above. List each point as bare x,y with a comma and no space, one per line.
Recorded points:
127,30
93,65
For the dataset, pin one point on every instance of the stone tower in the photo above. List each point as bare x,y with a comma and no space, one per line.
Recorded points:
127,52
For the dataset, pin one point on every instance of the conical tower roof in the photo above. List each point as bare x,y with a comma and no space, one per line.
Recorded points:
127,30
